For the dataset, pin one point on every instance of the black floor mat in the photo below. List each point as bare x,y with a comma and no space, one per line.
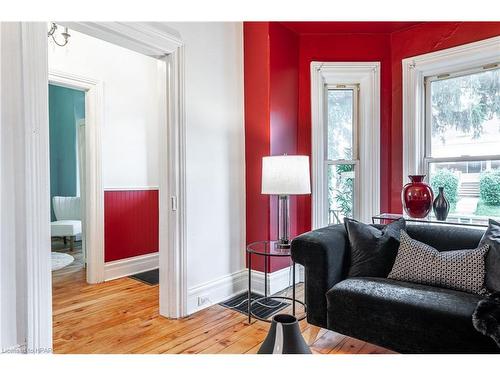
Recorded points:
263,309
149,277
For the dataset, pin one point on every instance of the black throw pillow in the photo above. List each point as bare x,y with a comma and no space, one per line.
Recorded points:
492,237
373,250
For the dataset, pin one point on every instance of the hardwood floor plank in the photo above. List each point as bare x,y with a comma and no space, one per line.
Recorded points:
122,316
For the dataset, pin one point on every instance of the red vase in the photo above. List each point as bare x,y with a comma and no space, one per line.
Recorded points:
417,197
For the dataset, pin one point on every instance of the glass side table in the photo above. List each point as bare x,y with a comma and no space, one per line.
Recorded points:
269,249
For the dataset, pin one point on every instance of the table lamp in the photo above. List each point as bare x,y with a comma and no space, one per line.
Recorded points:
285,175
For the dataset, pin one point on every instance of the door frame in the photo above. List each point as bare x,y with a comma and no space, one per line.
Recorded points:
159,42
93,201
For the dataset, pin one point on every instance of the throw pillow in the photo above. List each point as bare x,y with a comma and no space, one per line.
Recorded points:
373,250
492,237
455,269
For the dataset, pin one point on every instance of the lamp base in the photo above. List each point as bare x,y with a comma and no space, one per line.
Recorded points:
283,244
283,222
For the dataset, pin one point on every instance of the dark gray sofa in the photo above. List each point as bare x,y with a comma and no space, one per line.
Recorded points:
401,316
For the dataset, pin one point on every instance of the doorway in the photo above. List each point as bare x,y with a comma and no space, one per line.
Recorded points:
167,46
67,158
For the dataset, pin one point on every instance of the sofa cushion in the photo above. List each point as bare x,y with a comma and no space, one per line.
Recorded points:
373,250
420,263
406,317
492,238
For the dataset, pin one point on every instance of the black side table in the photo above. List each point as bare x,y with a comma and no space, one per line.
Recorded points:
269,249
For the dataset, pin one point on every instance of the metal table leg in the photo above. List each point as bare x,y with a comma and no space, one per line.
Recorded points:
249,288
266,265
266,260
293,288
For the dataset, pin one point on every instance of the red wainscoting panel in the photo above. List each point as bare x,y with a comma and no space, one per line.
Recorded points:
130,223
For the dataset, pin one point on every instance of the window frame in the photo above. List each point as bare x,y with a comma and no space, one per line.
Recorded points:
461,59
367,75
354,87
428,158
415,69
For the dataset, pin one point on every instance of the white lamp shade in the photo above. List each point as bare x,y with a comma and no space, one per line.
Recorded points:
285,175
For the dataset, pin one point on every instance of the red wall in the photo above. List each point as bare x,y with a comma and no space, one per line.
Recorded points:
130,223
343,47
257,131
420,39
284,94
271,101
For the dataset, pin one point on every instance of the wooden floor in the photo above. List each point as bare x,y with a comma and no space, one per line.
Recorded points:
121,316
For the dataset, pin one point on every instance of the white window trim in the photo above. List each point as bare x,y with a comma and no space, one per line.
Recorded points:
367,76
415,69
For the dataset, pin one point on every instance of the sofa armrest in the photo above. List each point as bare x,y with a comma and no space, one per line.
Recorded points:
323,253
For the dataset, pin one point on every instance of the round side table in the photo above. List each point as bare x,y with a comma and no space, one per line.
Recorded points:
269,249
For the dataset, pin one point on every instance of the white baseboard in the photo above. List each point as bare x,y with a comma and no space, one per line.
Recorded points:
130,266
276,281
218,290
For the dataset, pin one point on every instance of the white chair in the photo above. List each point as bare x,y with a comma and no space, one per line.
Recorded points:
69,223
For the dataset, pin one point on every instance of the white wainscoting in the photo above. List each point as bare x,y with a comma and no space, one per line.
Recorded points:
221,289
130,266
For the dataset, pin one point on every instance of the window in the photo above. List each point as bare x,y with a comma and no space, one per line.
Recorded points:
462,140
345,119
341,151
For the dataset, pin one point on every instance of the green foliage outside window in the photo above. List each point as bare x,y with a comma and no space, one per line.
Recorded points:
465,103
489,187
341,189
449,181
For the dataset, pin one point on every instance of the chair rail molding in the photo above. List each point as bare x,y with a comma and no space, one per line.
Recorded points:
415,69
367,76
158,42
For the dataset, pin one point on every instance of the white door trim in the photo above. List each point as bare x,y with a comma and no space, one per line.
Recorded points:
93,202
38,259
367,76
144,38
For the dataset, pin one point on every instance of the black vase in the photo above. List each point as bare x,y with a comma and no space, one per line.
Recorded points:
441,206
284,337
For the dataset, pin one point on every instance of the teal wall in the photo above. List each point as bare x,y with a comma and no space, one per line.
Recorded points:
66,108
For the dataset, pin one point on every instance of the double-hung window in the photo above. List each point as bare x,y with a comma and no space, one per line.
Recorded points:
341,151
345,119
462,140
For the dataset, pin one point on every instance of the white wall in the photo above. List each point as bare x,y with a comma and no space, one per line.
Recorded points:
131,114
215,156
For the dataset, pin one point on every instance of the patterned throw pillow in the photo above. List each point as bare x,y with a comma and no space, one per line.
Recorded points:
457,269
